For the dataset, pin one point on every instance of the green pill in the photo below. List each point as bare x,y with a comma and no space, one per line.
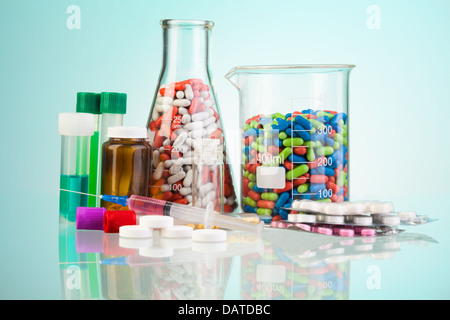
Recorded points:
264,211
297,172
285,153
324,151
250,201
269,196
303,188
252,177
282,135
290,142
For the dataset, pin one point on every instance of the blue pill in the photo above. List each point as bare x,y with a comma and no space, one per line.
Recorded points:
283,213
322,170
282,199
305,123
249,209
338,117
302,132
328,141
295,158
315,187
260,190
250,132
323,119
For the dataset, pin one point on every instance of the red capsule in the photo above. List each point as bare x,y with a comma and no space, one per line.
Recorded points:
299,150
266,204
194,105
254,195
287,187
318,178
288,165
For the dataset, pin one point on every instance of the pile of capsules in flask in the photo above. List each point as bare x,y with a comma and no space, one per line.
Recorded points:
310,146
185,114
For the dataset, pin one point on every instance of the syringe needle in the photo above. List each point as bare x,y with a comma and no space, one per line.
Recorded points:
86,194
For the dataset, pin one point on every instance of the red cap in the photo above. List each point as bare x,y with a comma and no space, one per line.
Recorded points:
113,220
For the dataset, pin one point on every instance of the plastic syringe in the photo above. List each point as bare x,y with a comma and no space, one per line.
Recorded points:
190,214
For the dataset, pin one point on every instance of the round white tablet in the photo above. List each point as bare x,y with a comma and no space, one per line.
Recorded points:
334,219
334,208
209,235
405,216
156,221
133,231
390,220
306,218
381,207
362,220
178,231
355,207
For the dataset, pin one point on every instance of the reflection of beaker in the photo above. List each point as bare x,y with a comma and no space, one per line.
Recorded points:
184,113
294,122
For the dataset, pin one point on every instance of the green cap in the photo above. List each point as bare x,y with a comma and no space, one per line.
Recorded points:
88,102
113,102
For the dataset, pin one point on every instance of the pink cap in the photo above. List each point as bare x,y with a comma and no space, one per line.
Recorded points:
90,218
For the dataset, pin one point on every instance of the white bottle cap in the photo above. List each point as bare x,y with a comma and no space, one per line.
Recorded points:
155,221
127,132
133,231
76,124
209,235
178,231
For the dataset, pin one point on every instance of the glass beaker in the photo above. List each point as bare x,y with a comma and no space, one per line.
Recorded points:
185,112
294,122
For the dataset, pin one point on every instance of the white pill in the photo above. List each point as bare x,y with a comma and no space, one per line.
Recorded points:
188,179
185,191
362,220
178,231
381,207
355,207
181,138
180,94
134,231
309,206
209,235
390,220
208,103
204,93
168,163
186,118
208,121
199,116
166,187
155,221
407,215
334,219
292,217
334,208
188,92
164,100
205,188
156,158
176,177
181,102
306,218
193,126
175,168
183,111
158,171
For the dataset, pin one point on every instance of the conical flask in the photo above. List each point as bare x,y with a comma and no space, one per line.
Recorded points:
184,116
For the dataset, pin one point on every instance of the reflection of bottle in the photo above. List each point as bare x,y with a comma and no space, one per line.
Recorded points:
125,163
89,102
184,112
76,130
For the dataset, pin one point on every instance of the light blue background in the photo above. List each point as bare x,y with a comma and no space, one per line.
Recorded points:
399,96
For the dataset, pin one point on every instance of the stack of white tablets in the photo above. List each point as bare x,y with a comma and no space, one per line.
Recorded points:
140,235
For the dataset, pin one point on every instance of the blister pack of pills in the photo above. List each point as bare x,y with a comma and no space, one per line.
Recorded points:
364,218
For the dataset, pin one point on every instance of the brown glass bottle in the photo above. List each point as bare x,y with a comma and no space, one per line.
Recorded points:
125,164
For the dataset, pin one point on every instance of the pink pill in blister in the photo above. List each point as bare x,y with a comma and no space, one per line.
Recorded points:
303,226
326,231
367,232
346,232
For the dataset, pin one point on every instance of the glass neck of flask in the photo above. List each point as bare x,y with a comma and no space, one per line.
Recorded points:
186,50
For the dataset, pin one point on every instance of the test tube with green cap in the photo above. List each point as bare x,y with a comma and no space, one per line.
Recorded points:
76,130
89,102
113,105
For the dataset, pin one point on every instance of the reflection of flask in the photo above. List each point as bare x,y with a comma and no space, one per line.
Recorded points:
184,112
76,130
